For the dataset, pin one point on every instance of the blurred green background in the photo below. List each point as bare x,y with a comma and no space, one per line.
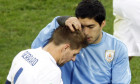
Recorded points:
21,21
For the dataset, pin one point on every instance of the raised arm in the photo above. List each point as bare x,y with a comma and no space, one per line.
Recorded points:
72,22
45,34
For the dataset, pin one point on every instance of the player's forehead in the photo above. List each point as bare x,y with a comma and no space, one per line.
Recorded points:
87,21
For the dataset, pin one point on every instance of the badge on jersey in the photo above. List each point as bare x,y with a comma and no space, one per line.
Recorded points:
109,55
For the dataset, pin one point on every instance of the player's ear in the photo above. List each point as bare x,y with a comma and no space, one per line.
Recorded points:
103,23
65,47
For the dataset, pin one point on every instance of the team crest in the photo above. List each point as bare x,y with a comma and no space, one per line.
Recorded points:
109,55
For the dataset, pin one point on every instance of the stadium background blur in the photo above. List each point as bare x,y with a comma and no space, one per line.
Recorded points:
21,21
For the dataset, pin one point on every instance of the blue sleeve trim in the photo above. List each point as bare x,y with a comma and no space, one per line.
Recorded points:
7,82
17,74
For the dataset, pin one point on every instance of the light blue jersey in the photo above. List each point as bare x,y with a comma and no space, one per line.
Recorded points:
105,62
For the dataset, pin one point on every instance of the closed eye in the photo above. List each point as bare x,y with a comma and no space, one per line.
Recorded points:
91,26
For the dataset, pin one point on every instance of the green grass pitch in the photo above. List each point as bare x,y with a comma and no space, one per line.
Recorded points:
21,21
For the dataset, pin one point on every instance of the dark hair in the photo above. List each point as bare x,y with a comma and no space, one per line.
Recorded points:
91,9
76,39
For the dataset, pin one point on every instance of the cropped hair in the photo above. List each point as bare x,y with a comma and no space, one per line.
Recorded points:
92,9
64,35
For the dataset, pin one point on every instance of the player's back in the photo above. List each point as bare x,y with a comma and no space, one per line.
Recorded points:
33,66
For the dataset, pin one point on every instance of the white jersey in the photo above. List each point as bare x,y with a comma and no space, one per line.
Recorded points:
34,66
126,24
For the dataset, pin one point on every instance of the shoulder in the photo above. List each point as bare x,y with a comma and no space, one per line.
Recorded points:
121,52
114,41
117,45
28,52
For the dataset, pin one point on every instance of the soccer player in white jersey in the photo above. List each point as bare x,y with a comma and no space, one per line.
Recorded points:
40,65
104,60
126,24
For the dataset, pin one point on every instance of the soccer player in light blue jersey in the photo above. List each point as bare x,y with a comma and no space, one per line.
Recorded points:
104,61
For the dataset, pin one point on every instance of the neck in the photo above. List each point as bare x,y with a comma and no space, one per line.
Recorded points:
98,40
53,50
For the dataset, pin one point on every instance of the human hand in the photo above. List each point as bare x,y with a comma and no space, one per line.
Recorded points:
73,23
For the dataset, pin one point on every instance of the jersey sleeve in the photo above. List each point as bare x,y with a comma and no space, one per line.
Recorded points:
45,34
121,70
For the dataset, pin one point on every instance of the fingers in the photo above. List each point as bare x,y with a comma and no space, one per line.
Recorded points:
71,27
73,23
76,25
